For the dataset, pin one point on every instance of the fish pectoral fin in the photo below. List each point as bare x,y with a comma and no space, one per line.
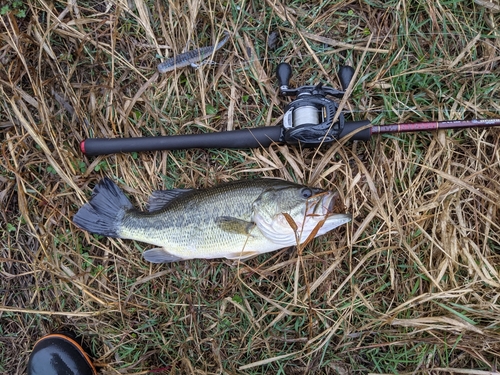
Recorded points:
160,198
234,225
160,255
242,255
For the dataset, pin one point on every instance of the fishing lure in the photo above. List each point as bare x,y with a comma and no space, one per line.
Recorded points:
192,57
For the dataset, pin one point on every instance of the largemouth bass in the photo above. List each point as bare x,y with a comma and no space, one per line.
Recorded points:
235,220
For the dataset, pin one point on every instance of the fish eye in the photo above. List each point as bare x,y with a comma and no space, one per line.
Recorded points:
306,193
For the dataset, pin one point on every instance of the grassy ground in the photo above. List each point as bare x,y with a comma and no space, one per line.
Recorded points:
411,286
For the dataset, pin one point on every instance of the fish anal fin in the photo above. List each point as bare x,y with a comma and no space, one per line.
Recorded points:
234,225
160,198
160,255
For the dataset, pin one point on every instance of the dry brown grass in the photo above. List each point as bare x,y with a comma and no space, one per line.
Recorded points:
410,287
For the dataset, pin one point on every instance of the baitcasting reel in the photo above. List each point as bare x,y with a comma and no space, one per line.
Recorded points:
309,118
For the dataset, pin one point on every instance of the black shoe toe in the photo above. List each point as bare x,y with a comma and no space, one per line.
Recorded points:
58,354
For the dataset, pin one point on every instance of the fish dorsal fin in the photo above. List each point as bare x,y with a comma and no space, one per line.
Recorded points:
234,225
160,198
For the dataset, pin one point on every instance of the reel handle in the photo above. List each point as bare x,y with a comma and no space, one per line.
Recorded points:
283,73
346,73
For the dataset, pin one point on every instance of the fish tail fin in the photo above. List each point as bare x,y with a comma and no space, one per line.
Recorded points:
104,212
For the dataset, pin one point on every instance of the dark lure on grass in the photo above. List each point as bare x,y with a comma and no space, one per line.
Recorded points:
235,220
193,57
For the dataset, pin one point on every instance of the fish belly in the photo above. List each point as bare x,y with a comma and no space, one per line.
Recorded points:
198,241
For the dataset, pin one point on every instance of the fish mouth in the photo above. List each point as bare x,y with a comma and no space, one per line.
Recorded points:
328,204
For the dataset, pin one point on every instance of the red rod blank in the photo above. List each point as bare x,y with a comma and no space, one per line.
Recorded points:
433,125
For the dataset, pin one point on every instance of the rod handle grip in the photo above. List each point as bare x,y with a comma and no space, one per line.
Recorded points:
238,139
362,135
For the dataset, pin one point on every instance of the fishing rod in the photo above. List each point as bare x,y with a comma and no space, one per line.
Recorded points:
308,121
